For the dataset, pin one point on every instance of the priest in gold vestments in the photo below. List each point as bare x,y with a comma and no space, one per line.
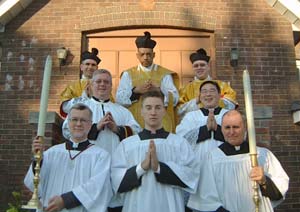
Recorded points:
189,94
80,87
145,77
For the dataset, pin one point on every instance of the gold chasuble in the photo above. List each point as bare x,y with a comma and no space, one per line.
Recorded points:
74,90
191,91
140,77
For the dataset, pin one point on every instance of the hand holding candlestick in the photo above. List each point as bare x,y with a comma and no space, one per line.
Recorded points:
34,202
251,132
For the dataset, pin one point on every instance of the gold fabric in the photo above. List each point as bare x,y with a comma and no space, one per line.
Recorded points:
140,77
74,90
191,91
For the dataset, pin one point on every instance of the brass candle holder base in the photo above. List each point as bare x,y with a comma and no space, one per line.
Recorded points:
256,200
34,202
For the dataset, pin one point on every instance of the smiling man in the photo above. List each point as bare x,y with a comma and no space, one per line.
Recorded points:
89,64
152,169
189,94
226,183
74,175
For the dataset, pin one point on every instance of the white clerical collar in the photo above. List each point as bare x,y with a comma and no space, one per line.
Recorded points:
149,68
207,78
237,148
75,144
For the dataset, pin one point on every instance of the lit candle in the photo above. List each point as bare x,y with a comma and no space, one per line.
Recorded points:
44,97
249,112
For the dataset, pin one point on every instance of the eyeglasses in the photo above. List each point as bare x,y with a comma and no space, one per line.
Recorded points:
105,82
76,120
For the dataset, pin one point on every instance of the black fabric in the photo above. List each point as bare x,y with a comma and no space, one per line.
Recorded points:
93,133
116,209
121,132
218,135
167,176
229,149
270,190
146,134
134,96
70,200
186,209
98,100
203,134
200,54
205,111
130,181
221,209
81,146
91,55
145,41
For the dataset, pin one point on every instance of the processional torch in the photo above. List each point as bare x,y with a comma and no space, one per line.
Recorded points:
34,202
251,133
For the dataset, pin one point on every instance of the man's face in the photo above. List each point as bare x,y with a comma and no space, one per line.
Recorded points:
102,86
201,69
80,124
88,67
153,112
233,128
145,56
209,96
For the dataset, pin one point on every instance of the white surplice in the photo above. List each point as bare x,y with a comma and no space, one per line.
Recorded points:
152,195
226,182
106,139
189,129
87,176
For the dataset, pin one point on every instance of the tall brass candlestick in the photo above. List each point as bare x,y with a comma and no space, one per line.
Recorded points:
34,202
251,132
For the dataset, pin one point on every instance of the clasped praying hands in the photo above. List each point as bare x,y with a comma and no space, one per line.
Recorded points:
150,161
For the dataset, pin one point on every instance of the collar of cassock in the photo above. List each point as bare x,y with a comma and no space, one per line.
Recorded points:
98,100
229,149
77,146
205,111
147,134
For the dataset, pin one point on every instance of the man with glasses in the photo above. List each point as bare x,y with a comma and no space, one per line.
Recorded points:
202,127
189,94
74,175
89,64
111,121
145,77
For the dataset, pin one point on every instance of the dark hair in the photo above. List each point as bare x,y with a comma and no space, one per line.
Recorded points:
81,106
210,82
152,93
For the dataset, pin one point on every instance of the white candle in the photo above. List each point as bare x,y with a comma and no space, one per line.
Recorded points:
44,97
249,112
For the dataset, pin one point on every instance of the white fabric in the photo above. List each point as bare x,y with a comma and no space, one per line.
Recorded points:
124,90
106,139
87,176
226,182
189,129
151,195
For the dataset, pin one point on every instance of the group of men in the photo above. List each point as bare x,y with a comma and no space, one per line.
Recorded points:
126,156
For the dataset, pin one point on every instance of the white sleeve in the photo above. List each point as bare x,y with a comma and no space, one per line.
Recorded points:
187,107
124,91
96,199
167,85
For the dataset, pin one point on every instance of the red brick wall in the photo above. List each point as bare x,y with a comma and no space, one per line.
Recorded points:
263,36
